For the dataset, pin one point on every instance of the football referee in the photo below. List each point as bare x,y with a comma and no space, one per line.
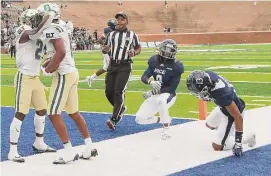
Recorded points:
121,45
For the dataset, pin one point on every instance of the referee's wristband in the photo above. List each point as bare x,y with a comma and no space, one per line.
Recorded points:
238,136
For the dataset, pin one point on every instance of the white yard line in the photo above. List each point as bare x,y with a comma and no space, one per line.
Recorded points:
179,93
262,100
256,104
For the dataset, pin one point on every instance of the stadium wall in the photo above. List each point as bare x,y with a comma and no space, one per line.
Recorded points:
205,38
210,38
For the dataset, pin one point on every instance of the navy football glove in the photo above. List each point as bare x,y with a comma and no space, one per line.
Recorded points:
237,148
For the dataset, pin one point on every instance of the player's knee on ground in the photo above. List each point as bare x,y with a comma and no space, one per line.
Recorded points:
217,147
20,116
139,117
41,112
210,127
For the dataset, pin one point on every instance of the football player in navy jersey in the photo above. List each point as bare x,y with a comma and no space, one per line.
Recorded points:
227,117
111,26
166,71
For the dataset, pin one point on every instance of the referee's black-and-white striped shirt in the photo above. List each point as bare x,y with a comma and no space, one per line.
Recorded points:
120,43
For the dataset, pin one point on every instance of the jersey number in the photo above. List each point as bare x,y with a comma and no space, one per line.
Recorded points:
159,78
39,49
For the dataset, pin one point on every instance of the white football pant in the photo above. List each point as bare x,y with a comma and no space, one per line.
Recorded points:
225,134
156,103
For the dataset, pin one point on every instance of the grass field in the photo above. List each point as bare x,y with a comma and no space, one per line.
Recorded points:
253,84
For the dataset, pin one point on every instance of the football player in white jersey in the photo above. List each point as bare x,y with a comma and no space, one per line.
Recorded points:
29,89
64,90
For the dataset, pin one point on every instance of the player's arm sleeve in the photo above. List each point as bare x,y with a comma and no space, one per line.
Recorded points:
45,23
147,73
53,32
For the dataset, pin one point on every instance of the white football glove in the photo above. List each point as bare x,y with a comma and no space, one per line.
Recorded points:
155,85
44,72
147,94
89,81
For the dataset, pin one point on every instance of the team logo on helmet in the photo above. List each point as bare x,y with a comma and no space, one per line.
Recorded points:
48,7
31,17
199,84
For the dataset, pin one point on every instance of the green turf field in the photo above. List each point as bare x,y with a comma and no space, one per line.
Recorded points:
247,67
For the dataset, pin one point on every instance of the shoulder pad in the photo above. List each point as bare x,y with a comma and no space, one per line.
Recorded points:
53,32
152,59
180,66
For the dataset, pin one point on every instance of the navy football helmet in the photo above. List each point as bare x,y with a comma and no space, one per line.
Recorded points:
200,84
112,23
168,49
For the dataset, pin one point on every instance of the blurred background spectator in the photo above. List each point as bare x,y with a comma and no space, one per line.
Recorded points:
82,38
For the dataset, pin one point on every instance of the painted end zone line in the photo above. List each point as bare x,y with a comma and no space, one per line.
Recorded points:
145,153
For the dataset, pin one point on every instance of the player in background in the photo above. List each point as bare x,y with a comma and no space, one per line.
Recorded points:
29,89
64,88
227,117
111,27
166,71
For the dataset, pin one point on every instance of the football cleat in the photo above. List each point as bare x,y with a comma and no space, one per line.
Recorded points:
46,149
61,160
111,124
165,133
94,153
16,158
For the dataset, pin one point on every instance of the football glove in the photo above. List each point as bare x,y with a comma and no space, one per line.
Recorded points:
44,72
89,81
156,85
237,149
150,93
147,94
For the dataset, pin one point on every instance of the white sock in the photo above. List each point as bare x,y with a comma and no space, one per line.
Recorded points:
39,123
88,141
88,148
15,129
229,143
67,145
93,76
149,120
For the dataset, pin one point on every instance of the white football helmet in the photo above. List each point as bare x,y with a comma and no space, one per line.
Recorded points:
31,17
48,7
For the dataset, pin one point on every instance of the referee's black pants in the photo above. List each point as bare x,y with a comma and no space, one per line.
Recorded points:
12,51
116,81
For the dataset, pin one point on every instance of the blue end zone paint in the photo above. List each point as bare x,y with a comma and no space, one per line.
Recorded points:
96,124
255,162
